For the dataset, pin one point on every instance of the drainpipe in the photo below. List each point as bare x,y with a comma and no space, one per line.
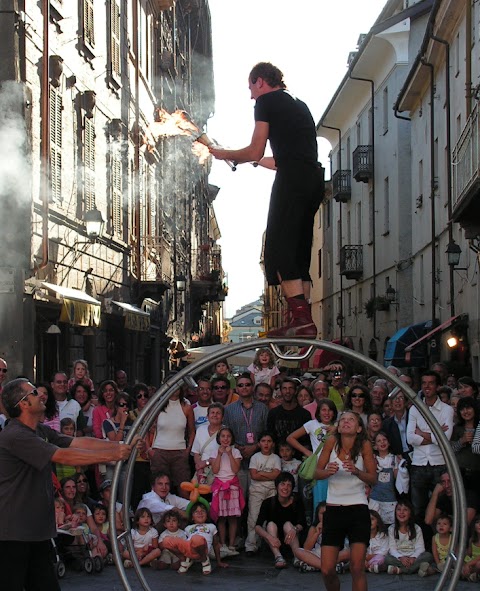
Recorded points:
449,168
136,157
374,246
432,181
340,210
45,135
468,58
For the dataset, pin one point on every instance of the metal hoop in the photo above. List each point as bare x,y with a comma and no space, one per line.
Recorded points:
161,397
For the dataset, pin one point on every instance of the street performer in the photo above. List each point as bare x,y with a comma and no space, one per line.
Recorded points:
27,515
297,190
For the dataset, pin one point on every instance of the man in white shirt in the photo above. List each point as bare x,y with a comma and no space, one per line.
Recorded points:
428,462
160,499
67,407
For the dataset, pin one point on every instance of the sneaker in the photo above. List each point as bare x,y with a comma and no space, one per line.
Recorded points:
297,563
109,558
127,563
423,569
206,567
232,551
373,568
224,551
473,577
393,570
340,568
307,568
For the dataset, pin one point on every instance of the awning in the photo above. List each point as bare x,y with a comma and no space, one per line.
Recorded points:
396,346
437,330
78,308
135,318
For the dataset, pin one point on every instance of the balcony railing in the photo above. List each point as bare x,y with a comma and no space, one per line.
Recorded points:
341,184
156,260
363,163
351,261
207,263
466,173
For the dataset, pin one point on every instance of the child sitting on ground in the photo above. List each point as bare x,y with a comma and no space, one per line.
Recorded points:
145,539
100,516
289,463
308,558
201,538
440,546
378,546
471,568
172,529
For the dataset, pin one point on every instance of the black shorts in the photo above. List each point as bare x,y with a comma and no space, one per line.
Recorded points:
340,522
296,196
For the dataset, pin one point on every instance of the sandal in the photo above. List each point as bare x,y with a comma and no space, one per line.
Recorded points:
184,566
206,567
280,562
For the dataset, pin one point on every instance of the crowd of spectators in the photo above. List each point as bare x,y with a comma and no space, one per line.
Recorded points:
246,437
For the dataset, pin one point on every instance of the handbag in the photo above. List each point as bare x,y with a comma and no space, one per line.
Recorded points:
309,465
205,475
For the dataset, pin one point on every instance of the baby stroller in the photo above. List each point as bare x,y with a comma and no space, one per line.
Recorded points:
73,547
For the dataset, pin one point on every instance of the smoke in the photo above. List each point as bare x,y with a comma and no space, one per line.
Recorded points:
15,176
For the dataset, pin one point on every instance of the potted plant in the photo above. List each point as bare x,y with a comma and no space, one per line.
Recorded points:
376,304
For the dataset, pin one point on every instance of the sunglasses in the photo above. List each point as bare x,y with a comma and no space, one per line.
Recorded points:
34,392
142,395
82,480
219,387
244,385
358,395
3,369
123,404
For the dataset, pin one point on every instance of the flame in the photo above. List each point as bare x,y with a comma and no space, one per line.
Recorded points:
201,152
172,124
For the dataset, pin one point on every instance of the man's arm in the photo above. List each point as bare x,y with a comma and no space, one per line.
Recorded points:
251,153
431,512
78,456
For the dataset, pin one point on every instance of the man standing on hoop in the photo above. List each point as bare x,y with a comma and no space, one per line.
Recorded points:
296,193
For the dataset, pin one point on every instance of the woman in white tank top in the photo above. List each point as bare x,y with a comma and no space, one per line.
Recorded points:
348,462
175,432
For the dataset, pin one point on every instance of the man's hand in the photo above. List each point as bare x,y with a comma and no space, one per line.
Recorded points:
218,153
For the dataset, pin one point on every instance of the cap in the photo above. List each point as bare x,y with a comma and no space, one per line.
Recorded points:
307,376
105,484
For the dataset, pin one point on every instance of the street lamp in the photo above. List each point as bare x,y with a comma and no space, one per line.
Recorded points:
453,253
180,282
94,223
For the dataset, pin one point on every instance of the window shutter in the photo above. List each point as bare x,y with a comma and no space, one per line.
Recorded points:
88,24
115,37
56,106
89,164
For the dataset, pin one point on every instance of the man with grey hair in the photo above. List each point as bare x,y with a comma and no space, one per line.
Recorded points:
321,390
27,450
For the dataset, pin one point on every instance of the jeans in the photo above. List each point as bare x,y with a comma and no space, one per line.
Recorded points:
423,480
392,561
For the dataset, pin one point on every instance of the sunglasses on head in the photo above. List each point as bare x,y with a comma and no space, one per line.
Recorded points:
34,392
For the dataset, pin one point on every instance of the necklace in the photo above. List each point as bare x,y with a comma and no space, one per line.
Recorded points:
347,454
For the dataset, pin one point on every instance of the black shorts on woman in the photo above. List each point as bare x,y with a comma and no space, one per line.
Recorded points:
346,521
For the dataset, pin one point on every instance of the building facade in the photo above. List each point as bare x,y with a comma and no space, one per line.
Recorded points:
385,279
85,89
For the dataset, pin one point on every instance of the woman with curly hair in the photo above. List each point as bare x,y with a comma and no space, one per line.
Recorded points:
52,417
347,461
107,394
359,400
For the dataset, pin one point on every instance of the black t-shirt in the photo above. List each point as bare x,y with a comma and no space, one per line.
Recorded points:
272,510
27,511
445,503
292,132
283,422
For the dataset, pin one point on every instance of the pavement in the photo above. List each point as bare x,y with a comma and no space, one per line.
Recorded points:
243,574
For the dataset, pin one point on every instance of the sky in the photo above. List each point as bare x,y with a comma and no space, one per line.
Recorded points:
309,40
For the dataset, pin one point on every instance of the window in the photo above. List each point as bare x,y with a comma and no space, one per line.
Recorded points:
88,24
56,108
319,263
385,110
349,150
359,133
371,214
359,223
88,164
349,227
386,206
116,196
257,321
456,55
339,239
113,39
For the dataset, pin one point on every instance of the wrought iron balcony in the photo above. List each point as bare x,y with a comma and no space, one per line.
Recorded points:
351,261
466,177
342,185
363,163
